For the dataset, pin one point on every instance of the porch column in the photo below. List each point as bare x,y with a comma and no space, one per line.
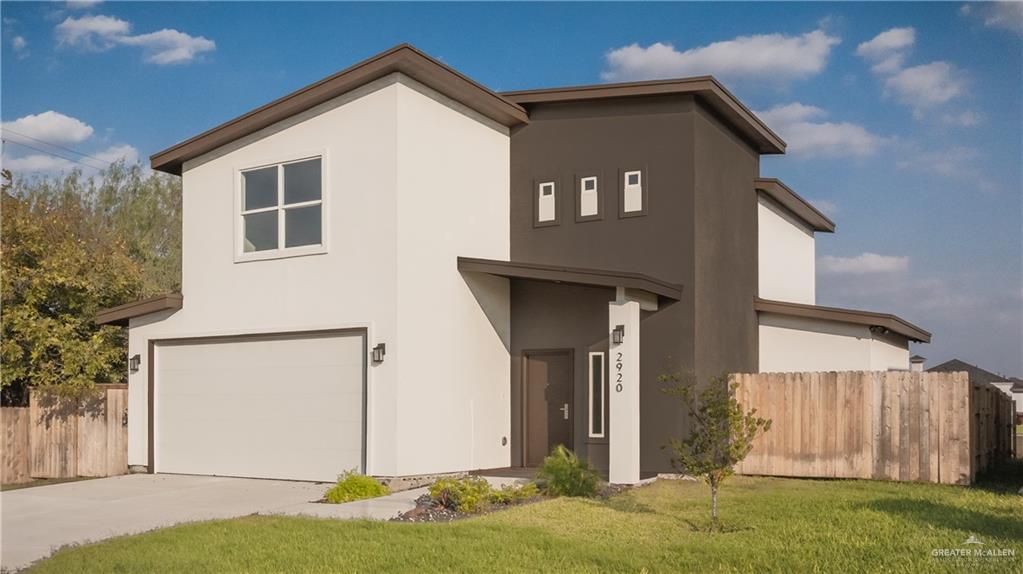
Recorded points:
623,386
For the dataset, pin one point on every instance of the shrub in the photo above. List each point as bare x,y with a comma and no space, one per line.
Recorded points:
563,474
354,486
474,494
511,494
470,494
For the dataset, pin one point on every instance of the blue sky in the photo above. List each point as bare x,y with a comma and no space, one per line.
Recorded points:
903,119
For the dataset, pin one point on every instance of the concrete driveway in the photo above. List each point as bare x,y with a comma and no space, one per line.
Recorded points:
37,521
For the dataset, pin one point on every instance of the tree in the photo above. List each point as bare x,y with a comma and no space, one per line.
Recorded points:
72,246
721,432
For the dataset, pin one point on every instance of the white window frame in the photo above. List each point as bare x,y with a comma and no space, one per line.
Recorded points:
593,194
240,255
552,197
635,188
590,397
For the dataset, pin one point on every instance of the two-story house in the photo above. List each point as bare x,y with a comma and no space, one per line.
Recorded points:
400,271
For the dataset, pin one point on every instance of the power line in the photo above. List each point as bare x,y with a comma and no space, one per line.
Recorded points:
88,165
56,146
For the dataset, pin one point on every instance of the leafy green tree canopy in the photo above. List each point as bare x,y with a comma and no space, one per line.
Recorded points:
69,246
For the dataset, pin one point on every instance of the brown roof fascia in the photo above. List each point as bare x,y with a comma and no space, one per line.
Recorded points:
572,275
403,58
856,317
122,313
791,200
707,88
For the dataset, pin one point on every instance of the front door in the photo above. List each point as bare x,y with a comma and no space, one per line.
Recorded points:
549,406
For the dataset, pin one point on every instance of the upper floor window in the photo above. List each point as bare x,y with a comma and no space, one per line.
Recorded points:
632,192
546,203
589,198
282,208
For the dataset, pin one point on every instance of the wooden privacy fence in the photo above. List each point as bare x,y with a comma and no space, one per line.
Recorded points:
64,438
888,425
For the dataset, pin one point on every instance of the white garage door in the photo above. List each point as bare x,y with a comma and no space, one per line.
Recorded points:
288,407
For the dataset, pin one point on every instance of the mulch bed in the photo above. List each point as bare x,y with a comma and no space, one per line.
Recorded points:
429,510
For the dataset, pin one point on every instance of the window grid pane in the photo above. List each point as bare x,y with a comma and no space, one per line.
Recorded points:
260,231
302,181
302,226
260,188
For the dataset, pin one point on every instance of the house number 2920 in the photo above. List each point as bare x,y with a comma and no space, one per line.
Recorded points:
618,373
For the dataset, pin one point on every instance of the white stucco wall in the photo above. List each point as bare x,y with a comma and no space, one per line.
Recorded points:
796,344
388,268
453,196
786,255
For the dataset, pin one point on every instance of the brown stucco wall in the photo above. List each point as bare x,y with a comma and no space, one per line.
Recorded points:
658,135
726,250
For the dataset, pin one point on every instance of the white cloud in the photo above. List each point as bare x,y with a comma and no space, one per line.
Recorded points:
83,4
36,163
51,127
163,47
170,46
960,163
798,126
863,264
91,32
1004,15
20,46
829,208
765,56
888,49
46,164
966,119
922,87
125,152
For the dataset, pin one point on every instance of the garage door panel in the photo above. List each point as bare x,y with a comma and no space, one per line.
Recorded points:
284,407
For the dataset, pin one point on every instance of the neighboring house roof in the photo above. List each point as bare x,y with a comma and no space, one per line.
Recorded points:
404,58
798,206
572,275
857,317
122,313
977,374
706,88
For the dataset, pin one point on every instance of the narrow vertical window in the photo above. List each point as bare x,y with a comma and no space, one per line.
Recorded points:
546,202
632,197
596,391
588,197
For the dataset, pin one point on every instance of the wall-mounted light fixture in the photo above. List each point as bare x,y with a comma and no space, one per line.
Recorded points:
134,362
378,353
618,334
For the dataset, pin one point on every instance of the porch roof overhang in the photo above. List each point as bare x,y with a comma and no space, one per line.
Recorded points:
121,314
573,276
869,318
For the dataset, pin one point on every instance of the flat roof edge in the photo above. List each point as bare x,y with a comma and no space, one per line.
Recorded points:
792,201
857,317
403,58
121,314
572,275
708,87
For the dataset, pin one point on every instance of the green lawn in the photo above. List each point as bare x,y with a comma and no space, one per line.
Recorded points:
772,525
